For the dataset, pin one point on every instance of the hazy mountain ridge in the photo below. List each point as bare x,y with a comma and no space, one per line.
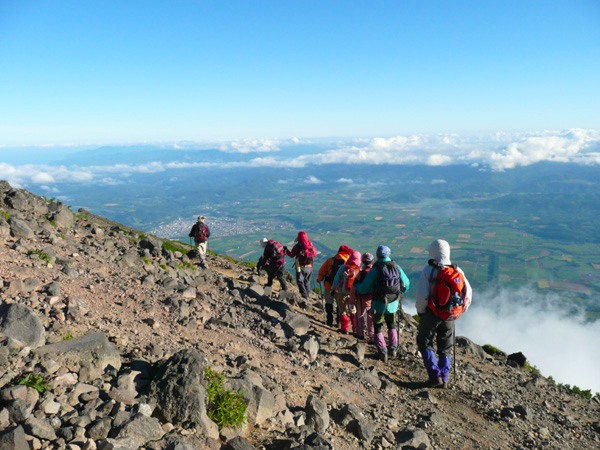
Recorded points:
80,273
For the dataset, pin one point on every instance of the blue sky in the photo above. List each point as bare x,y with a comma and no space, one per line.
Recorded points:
94,72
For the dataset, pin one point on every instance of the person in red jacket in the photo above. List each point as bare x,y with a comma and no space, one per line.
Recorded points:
304,252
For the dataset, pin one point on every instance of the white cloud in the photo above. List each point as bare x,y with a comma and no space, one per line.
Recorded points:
42,178
499,151
312,180
560,344
438,181
251,145
345,180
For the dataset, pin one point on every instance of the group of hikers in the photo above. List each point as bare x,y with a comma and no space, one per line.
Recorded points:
364,292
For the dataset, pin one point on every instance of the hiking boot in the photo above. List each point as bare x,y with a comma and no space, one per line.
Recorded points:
394,353
434,382
445,385
384,357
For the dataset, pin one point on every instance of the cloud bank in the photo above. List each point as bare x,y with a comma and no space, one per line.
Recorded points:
560,344
498,152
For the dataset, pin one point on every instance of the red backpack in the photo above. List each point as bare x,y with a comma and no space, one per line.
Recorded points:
447,291
349,275
273,251
309,251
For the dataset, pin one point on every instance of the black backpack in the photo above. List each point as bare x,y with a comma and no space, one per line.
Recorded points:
333,270
389,283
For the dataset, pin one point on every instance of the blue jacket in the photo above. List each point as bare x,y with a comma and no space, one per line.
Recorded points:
368,284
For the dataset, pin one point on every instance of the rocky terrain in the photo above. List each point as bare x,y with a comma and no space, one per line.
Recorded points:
116,328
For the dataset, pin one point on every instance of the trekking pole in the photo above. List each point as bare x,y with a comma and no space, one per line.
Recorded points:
454,352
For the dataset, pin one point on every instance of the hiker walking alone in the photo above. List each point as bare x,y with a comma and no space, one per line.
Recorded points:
444,293
341,288
273,261
327,273
305,253
364,313
387,283
201,233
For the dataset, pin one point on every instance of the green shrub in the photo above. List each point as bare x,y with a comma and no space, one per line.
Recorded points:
67,337
35,381
52,222
5,214
163,266
226,408
146,260
42,255
174,246
491,350
529,368
186,265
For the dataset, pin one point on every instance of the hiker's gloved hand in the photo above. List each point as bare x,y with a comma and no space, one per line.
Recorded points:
285,249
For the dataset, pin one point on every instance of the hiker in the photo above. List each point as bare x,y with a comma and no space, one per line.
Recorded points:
364,313
437,311
273,261
304,252
327,273
201,233
387,283
341,287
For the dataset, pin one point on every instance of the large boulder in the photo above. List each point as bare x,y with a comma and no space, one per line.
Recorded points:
260,402
89,355
180,393
19,228
21,323
14,439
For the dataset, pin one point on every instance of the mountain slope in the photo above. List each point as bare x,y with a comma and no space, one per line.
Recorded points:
306,385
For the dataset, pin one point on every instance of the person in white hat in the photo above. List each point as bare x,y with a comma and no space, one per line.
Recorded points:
200,232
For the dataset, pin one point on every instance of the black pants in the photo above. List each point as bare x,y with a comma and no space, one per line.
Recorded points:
277,272
432,327
303,277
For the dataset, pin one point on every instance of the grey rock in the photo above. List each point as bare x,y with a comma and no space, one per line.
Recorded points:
317,416
63,218
311,346
239,443
518,359
471,347
118,444
21,323
19,410
89,355
20,228
76,308
410,439
14,439
180,393
256,291
355,421
295,324
41,428
141,428
260,402
369,377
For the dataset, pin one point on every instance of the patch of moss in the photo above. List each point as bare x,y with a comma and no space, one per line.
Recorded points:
146,260
491,350
186,265
5,214
42,255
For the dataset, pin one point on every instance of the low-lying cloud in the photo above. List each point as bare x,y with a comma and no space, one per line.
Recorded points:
498,152
559,342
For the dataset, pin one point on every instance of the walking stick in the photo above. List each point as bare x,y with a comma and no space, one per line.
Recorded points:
454,352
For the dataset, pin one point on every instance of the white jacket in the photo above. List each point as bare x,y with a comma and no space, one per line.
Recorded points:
439,250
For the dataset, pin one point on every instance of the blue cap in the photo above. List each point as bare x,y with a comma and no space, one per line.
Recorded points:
383,251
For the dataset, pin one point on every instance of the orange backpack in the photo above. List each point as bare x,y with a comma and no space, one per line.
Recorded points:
447,291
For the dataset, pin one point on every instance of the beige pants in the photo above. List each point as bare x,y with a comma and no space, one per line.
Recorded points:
201,247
